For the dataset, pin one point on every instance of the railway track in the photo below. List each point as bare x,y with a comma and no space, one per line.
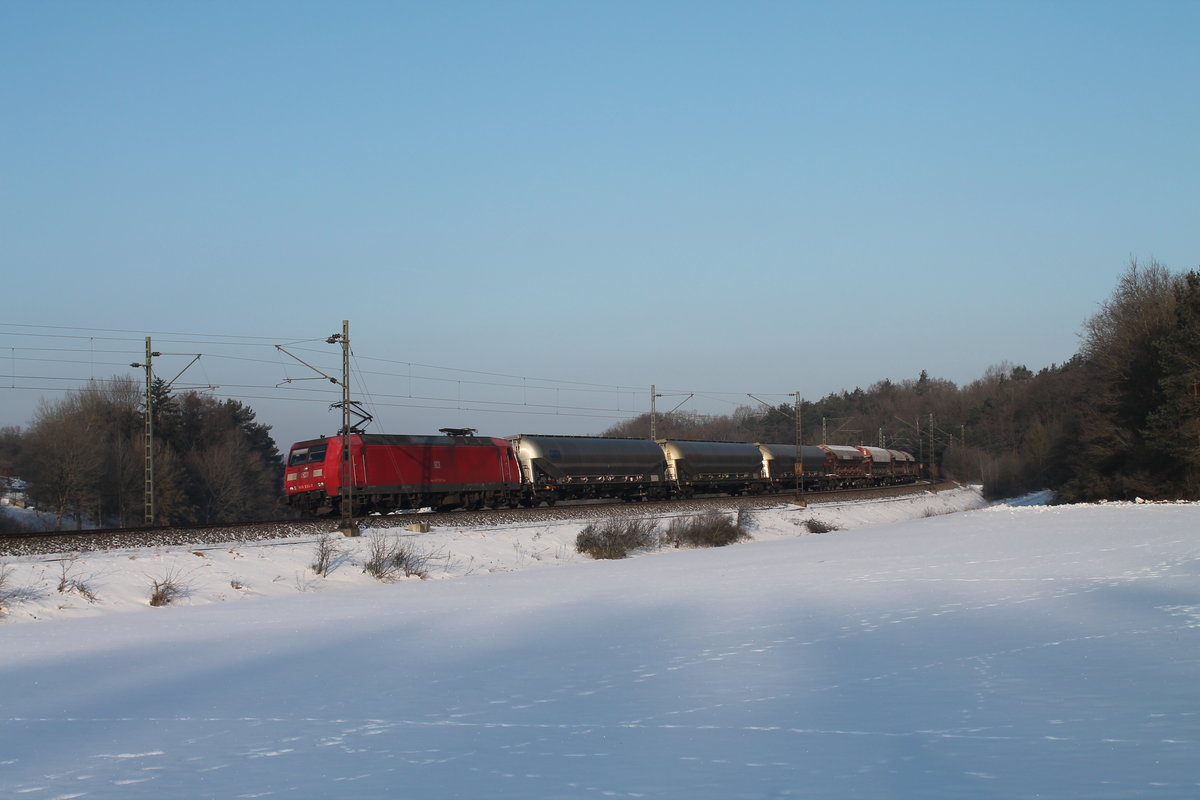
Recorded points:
37,543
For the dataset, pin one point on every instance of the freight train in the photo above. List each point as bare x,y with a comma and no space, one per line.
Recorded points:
462,470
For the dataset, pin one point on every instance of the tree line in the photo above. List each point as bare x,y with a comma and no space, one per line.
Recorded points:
83,457
1120,419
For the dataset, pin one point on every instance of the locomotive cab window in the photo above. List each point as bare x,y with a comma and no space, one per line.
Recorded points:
308,455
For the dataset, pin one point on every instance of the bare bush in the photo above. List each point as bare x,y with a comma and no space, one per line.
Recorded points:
614,537
166,590
815,525
711,528
5,593
11,595
68,583
64,580
389,557
325,556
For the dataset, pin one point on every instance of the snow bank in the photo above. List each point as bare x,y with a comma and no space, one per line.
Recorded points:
93,584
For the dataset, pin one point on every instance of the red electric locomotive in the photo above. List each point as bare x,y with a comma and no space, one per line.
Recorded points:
402,472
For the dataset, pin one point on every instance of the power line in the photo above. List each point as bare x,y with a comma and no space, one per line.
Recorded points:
68,361
496,374
69,350
266,339
444,403
565,385
262,341
530,388
459,402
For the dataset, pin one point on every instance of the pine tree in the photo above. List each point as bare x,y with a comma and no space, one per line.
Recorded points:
1173,429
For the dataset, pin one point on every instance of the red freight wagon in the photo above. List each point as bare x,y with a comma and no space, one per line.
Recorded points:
878,464
848,465
904,466
399,472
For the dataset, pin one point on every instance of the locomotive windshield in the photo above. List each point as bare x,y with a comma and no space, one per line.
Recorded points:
307,455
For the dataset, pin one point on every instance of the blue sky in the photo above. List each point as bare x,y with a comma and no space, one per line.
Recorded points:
723,198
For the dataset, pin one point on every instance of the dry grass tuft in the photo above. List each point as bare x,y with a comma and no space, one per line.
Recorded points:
389,557
708,529
166,590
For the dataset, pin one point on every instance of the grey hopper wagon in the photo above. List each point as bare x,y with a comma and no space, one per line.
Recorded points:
779,462
580,467
697,467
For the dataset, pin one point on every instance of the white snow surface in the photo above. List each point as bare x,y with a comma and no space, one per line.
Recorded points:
1013,651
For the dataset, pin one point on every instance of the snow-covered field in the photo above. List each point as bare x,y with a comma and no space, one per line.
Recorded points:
122,581
1006,652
